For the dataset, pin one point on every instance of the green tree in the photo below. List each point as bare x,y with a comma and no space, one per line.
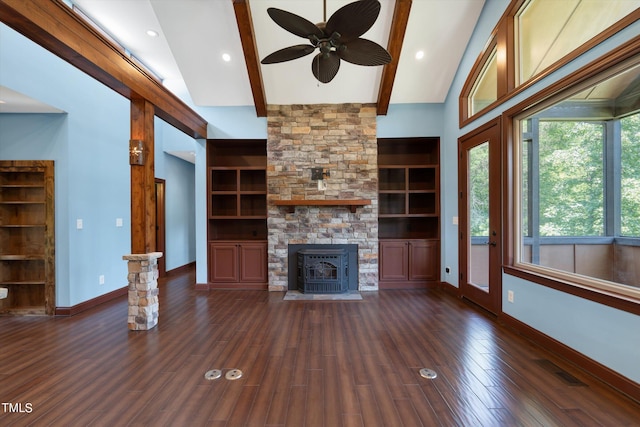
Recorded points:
630,176
571,178
479,190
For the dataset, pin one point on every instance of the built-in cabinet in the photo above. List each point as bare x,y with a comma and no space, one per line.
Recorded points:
238,262
27,257
408,260
409,212
237,213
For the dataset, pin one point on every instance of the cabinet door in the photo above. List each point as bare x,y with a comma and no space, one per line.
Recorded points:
253,262
394,260
423,260
223,262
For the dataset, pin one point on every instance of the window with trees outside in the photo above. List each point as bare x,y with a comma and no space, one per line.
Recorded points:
578,186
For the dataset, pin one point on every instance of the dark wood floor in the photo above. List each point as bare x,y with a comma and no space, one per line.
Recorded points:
319,363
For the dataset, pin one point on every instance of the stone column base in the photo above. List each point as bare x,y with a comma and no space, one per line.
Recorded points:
143,290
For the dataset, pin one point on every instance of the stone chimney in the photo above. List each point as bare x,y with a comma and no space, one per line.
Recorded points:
340,139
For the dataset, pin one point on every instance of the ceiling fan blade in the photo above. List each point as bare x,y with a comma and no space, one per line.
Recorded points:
364,52
294,24
325,66
288,53
353,20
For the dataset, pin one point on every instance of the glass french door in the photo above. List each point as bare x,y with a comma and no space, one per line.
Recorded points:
480,250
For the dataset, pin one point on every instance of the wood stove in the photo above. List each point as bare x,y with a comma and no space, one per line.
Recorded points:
323,271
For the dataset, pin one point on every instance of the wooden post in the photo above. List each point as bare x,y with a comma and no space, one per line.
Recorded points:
143,196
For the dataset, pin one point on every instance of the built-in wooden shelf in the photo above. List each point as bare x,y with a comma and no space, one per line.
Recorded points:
27,240
352,204
408,212
237,223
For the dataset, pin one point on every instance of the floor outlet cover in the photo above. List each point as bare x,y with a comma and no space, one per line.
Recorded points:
213,374
233,374
428,373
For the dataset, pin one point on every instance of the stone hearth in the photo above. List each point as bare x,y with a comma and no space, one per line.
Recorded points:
342,140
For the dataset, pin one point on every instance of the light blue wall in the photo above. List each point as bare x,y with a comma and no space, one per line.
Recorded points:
180,212
180,193
411,120
607,335
234,122
43,137
89,144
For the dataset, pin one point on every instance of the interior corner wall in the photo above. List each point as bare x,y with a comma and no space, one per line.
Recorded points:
180,193
604,334
224,123
411,120
180,248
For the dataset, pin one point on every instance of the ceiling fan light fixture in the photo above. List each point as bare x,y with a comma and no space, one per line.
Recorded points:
338,38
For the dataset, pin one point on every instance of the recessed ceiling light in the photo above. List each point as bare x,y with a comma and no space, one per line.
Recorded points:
420,54
226,57
152,33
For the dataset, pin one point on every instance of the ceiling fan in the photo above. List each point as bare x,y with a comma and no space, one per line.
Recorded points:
336,39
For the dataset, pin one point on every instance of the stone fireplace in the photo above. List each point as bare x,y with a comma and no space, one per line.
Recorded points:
340,139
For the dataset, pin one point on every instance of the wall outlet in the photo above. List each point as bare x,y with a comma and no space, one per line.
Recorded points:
79,224
510,296
101,279
447,270
119,222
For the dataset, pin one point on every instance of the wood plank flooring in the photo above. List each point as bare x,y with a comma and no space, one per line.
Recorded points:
304,363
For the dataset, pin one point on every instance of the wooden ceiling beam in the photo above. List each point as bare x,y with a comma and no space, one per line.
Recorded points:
247,37
57,28
394,47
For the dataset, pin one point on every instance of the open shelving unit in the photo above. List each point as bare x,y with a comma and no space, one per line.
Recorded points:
409,211
27,235
237,200
237,213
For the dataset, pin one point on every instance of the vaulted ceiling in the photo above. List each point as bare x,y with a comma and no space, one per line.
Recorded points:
194,35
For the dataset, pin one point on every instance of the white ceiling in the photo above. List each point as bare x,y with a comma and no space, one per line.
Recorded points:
194,34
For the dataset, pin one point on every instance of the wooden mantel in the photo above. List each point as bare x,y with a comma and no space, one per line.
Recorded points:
352,204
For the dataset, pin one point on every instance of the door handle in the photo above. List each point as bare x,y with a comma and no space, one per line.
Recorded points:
494,244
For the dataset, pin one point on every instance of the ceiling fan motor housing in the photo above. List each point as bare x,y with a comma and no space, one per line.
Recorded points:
346,26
